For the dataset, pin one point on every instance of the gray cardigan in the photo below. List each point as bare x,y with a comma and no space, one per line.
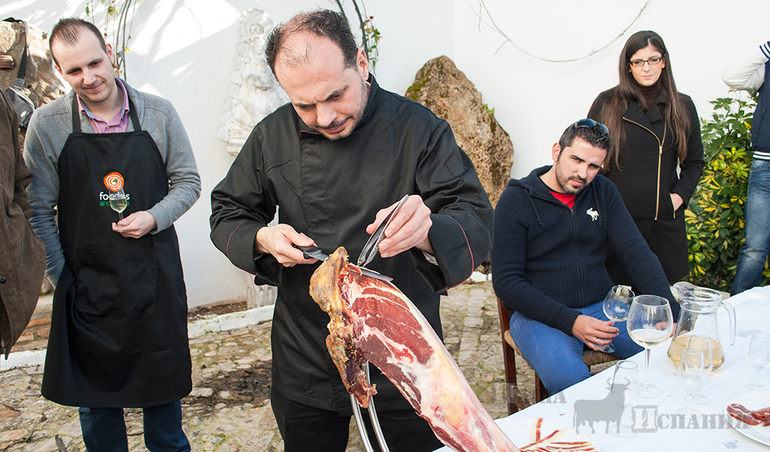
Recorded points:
48,130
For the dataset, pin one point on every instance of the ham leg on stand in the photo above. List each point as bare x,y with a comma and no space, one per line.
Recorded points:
371,320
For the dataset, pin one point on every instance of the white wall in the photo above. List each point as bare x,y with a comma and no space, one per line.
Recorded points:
535,100
183,50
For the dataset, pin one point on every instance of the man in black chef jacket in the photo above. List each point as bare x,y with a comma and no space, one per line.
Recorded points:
331,163
119,322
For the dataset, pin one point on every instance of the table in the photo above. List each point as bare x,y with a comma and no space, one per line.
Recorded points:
657,425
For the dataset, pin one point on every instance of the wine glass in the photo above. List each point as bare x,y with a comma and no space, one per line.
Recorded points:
759,357
690,376
118,201
615,306
625,378
704,343
649,324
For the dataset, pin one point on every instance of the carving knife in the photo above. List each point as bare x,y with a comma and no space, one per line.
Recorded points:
313,252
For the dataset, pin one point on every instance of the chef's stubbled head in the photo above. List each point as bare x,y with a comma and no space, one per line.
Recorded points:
316,60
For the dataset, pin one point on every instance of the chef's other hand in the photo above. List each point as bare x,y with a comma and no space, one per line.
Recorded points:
136,225
408,229
279,240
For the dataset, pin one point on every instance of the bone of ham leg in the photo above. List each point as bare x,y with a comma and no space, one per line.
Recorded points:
371,320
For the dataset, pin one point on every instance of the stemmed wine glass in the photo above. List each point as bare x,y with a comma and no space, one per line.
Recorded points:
626,379
759,357
690,375
118,201
704,343
649,324
615,306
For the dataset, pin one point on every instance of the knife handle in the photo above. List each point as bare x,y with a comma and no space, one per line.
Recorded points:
311,252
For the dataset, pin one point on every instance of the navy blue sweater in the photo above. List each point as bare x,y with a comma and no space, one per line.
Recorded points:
548,259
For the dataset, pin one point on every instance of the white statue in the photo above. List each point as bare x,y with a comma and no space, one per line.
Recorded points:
253,92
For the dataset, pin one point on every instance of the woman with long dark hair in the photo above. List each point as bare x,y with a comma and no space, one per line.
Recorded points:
656,157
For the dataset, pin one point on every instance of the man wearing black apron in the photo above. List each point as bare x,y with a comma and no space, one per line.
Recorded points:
118,331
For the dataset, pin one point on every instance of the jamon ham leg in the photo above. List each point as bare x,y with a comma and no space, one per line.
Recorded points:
371,320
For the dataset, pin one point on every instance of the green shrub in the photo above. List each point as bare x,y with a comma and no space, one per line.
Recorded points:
715,216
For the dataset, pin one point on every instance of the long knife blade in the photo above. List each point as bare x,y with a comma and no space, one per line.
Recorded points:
313,252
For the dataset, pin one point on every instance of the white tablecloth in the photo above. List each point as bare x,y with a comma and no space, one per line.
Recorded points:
664,430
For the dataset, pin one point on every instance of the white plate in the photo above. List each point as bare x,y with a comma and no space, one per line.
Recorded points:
518,430
754,401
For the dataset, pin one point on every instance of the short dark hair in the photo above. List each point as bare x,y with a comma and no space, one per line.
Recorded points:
325,23
68,30
594,133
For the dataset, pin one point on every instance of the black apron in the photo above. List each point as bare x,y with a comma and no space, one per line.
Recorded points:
119,323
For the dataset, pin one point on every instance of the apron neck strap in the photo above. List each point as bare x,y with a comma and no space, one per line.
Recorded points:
76,115
132,114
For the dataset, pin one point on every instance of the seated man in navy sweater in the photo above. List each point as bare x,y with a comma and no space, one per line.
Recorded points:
548,269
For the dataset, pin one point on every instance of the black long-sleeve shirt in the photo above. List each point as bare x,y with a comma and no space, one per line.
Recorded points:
330,191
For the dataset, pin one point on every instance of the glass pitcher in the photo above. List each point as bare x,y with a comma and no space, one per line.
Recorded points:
698,315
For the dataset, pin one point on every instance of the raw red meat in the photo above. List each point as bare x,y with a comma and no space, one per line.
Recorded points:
742,413
371,320
763,415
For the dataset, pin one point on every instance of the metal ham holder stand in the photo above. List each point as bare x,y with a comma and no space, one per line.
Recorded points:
372,416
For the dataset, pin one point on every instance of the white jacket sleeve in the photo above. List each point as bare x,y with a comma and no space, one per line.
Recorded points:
748,72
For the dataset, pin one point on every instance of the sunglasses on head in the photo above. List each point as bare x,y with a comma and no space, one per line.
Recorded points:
589,123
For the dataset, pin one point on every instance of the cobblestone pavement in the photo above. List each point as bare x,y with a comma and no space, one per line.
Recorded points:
228,409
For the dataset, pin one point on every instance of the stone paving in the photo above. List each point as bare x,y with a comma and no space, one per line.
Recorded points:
228,409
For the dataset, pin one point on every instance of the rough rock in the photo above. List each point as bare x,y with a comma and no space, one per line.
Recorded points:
42,84
440,86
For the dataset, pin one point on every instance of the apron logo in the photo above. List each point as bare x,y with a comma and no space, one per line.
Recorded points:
113,181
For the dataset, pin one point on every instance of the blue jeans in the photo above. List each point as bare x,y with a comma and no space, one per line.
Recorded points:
556,357
104,429
753,255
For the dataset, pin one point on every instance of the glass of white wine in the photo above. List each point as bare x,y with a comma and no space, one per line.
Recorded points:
649,324
118,201
615,306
